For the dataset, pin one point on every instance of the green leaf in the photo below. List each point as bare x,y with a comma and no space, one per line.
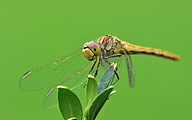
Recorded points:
91,92
69,104
106,77
98,103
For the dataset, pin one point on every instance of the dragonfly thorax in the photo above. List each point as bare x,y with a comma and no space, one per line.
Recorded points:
91,50
110,45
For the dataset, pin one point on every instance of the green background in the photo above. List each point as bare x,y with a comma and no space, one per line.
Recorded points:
34,32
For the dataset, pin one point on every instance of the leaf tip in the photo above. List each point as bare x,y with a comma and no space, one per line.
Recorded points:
110,87
114,65
58,87
90,76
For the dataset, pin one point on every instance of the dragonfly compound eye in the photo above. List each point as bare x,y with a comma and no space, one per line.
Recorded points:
90,50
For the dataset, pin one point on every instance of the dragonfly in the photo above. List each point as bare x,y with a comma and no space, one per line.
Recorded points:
72,69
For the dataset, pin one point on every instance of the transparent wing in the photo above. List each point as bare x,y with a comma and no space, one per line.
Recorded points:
130,70
60,71
50,99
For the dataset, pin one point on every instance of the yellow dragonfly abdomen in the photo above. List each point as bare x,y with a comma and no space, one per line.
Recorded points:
135,49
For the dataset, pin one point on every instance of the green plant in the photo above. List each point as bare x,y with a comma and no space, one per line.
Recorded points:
96,96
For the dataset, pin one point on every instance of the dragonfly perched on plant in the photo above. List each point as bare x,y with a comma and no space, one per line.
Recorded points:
72,69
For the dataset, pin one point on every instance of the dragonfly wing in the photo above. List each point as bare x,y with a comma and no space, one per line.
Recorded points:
57,72
130,70
51,100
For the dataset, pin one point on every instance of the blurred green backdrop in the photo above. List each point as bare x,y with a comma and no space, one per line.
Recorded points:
34,32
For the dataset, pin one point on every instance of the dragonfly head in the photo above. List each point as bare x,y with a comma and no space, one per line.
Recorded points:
91,50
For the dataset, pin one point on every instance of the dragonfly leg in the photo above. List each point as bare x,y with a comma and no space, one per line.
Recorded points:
106,59
115,71
114,56
91,70
93,66
98,66
97,69
116,74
